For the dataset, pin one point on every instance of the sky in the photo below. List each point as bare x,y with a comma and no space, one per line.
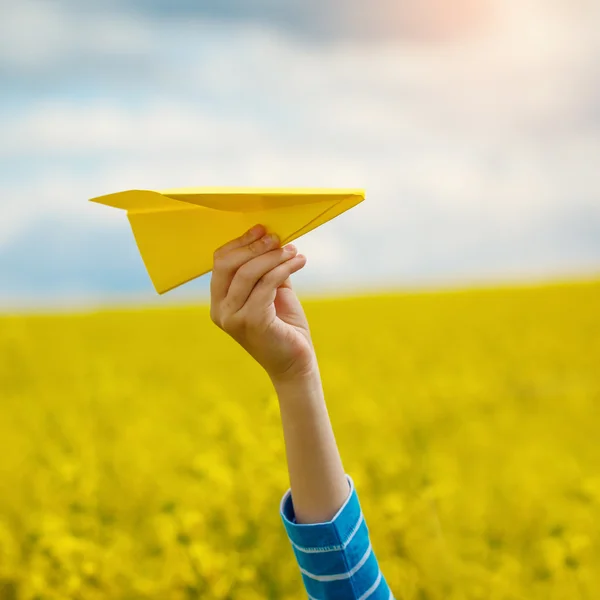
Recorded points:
473,126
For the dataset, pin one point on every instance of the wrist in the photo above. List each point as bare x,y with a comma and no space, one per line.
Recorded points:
297,380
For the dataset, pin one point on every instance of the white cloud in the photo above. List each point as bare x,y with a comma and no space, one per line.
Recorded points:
469,151
65,128
38,34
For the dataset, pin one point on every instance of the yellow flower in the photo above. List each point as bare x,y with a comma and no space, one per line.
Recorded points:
142,453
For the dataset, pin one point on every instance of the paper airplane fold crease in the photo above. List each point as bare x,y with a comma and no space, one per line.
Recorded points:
178,230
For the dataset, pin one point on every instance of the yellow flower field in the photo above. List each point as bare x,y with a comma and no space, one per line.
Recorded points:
142,457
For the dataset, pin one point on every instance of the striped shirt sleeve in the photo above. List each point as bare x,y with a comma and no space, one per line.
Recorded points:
336,559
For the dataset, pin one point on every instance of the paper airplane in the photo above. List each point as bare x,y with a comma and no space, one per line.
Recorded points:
178,230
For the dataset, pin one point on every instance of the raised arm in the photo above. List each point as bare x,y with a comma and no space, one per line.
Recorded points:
253,301
317,478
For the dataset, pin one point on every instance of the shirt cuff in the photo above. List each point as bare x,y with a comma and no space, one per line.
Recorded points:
329,535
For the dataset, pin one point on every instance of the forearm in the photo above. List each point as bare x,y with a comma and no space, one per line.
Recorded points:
321,511
317,479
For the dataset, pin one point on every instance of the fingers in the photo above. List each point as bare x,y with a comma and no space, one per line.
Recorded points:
251,273
247,272
287,284
252,234
228,258
265,290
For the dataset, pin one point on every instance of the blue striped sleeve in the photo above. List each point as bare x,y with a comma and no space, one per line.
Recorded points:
336,559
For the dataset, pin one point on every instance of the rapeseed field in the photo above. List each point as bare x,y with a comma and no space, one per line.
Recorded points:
141,455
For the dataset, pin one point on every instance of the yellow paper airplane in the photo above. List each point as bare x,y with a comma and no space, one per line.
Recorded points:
178,230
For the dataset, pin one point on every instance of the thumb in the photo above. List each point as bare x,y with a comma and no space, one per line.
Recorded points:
288,306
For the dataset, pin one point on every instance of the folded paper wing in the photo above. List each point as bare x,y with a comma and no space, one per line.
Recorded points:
178,230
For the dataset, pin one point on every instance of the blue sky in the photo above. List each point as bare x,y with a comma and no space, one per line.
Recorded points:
474,129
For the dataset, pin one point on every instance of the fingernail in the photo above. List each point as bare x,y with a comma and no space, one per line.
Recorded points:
272,238
256,230
290,248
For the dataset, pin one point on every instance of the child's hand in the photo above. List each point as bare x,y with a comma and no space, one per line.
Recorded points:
253,301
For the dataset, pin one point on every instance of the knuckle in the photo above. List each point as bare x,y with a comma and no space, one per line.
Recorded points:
247,237
219,261
261,245
220,252
244,273
226,323
247,319
268,279
216,318
256,247
232,323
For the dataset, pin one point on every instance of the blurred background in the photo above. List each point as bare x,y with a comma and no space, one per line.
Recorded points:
474,127
141,452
